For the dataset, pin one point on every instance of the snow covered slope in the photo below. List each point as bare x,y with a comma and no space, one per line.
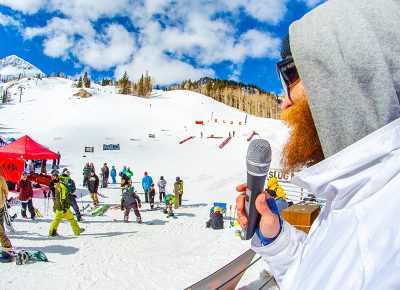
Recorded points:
160,253
13,66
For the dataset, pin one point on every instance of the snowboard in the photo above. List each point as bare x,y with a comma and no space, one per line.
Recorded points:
8,219
37,213
23,257
101,210
228,276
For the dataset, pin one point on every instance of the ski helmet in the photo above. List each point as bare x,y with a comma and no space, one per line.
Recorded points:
161,177
64,178
66,172
217,209
178,178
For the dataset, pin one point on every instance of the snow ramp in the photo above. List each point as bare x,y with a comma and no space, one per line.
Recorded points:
187,139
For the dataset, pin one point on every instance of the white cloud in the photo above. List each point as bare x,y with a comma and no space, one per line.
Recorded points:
8,21
57,45
172,39
26,6
108,50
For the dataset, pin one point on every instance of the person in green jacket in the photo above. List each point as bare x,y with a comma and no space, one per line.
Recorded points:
129,173
61,206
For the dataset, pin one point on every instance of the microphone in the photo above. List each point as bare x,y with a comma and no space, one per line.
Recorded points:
258,160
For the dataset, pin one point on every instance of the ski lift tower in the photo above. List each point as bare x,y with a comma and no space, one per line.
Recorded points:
20,88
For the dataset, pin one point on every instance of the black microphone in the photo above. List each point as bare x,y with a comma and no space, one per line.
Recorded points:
258,160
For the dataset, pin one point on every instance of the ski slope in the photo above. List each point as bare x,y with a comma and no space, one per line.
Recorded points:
161,253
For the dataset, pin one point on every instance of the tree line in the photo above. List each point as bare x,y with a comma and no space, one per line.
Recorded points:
142,88
248,98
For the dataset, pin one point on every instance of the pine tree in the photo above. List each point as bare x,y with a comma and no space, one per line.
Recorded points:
86,80
79,85
124,85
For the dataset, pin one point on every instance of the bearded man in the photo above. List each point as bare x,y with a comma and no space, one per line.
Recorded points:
340,69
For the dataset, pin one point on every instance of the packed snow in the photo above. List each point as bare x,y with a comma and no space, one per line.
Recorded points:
160,253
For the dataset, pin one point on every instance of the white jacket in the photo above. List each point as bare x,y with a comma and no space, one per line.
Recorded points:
355,242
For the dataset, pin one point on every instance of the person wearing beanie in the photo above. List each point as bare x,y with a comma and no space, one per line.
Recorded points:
113,174
105,171
216,220
147,181
93,186
178,191
340,71
26,196
162,183
61,208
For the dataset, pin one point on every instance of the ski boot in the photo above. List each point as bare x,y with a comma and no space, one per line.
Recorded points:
139,220
125,219
54,233
82,230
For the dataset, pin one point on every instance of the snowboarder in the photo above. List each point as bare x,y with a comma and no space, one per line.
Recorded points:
113,174
62,208
152,193
178,191
93,186
26,195
106,173
169,200
124,180
162,183
130,200
71,188
86,174
5,242
216,220
129,173
146,182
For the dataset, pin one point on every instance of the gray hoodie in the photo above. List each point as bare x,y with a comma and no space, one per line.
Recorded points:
347,53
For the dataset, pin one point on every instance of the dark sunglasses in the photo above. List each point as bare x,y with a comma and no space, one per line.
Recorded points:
287,73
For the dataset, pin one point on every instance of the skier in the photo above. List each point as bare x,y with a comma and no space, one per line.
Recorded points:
86,174
71,188
129,173
26,195
130,200
124,180
146,182
113,174
58,158
152,193
216,220
106,173
62,208
169,200
178,191
5,242
93,186
162,183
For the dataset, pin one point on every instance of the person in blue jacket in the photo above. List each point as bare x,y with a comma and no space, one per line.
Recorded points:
113,174
147,181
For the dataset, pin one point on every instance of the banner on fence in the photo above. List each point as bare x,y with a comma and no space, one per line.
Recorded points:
89,149
111,147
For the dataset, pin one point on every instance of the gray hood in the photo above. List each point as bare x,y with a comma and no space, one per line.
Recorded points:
347,53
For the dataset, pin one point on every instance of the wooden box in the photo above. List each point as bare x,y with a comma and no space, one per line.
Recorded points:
301,216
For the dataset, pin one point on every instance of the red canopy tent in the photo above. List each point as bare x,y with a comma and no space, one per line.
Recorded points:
12,156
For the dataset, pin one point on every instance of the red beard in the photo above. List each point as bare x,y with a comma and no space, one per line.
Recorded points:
303,148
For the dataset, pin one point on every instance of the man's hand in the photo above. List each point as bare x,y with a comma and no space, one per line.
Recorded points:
140,205
269,222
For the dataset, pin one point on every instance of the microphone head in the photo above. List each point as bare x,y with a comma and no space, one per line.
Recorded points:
258,158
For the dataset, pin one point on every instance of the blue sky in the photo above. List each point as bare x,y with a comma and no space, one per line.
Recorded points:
173,40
